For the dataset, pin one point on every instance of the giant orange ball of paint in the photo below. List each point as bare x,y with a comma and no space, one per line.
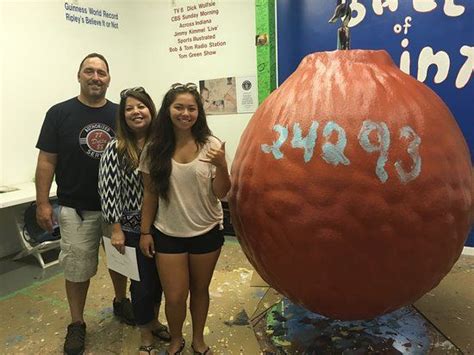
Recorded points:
352,186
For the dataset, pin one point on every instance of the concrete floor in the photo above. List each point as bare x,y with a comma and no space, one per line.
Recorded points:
246,316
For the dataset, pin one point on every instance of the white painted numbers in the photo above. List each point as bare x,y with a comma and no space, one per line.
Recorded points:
333,153
383,138
275,147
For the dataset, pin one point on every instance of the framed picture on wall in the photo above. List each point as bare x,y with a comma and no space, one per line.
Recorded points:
229,95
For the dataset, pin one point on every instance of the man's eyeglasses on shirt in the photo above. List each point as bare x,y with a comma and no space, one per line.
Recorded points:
189,86
124,93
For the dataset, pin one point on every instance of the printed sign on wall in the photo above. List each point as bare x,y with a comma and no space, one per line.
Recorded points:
229,95
196,29
91,16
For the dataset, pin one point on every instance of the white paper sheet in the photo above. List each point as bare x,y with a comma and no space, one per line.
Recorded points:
125,264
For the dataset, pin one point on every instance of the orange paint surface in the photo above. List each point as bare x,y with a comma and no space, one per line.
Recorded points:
338,238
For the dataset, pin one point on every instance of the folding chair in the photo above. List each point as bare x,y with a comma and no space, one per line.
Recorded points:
35,240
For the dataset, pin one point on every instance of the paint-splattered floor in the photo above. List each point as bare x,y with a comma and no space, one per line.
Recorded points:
245,317
441,322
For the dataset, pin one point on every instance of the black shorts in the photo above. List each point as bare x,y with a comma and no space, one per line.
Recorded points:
202,244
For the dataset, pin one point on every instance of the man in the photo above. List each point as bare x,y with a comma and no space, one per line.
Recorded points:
72,139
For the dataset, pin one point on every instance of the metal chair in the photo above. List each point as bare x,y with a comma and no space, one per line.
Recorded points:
35,240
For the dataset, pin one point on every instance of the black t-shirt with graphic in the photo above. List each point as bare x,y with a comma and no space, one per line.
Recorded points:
78,134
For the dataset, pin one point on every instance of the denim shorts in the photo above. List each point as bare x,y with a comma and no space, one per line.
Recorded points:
201,244
80,239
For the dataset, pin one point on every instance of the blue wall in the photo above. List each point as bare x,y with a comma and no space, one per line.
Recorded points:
303,28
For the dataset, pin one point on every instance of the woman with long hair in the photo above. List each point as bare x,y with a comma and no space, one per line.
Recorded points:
184,172
121,193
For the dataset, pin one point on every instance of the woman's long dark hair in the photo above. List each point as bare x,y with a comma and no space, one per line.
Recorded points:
127,145
163,141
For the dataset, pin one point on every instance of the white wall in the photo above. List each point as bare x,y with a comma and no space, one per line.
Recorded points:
41,52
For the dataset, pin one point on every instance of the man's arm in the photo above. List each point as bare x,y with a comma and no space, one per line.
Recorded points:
45,168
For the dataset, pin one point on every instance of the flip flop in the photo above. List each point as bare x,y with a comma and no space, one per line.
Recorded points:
205,352
147,348
180,350
162,333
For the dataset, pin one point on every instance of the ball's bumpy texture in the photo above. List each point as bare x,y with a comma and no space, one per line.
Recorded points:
352,186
